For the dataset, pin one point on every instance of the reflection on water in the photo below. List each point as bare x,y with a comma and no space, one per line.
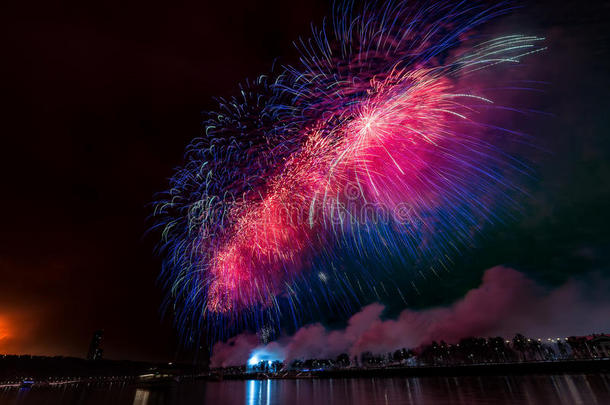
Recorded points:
141,397
259,392
496,390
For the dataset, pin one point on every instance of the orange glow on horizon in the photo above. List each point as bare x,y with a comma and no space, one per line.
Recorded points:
5,332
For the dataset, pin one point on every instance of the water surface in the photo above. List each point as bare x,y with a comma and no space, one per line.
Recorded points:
496,390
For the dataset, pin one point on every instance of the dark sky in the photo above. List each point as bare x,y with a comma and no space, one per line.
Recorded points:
101,99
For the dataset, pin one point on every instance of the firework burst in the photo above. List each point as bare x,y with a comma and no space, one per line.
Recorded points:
377,145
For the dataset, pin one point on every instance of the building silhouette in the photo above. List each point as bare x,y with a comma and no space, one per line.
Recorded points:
95,351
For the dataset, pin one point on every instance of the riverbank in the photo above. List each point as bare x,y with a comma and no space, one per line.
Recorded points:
518,368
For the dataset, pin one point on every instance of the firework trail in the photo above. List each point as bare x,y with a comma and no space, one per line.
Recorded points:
378,145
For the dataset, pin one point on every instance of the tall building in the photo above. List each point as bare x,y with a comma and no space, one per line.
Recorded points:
95,351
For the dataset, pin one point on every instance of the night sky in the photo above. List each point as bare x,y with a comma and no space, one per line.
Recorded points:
101,100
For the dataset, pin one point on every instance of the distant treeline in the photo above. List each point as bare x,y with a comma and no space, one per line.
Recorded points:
468,351
39,367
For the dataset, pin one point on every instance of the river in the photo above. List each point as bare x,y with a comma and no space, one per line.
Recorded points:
496,390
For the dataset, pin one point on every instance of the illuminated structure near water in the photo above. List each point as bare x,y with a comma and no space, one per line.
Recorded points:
379,147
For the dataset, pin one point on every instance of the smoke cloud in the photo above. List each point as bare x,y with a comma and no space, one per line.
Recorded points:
506,302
